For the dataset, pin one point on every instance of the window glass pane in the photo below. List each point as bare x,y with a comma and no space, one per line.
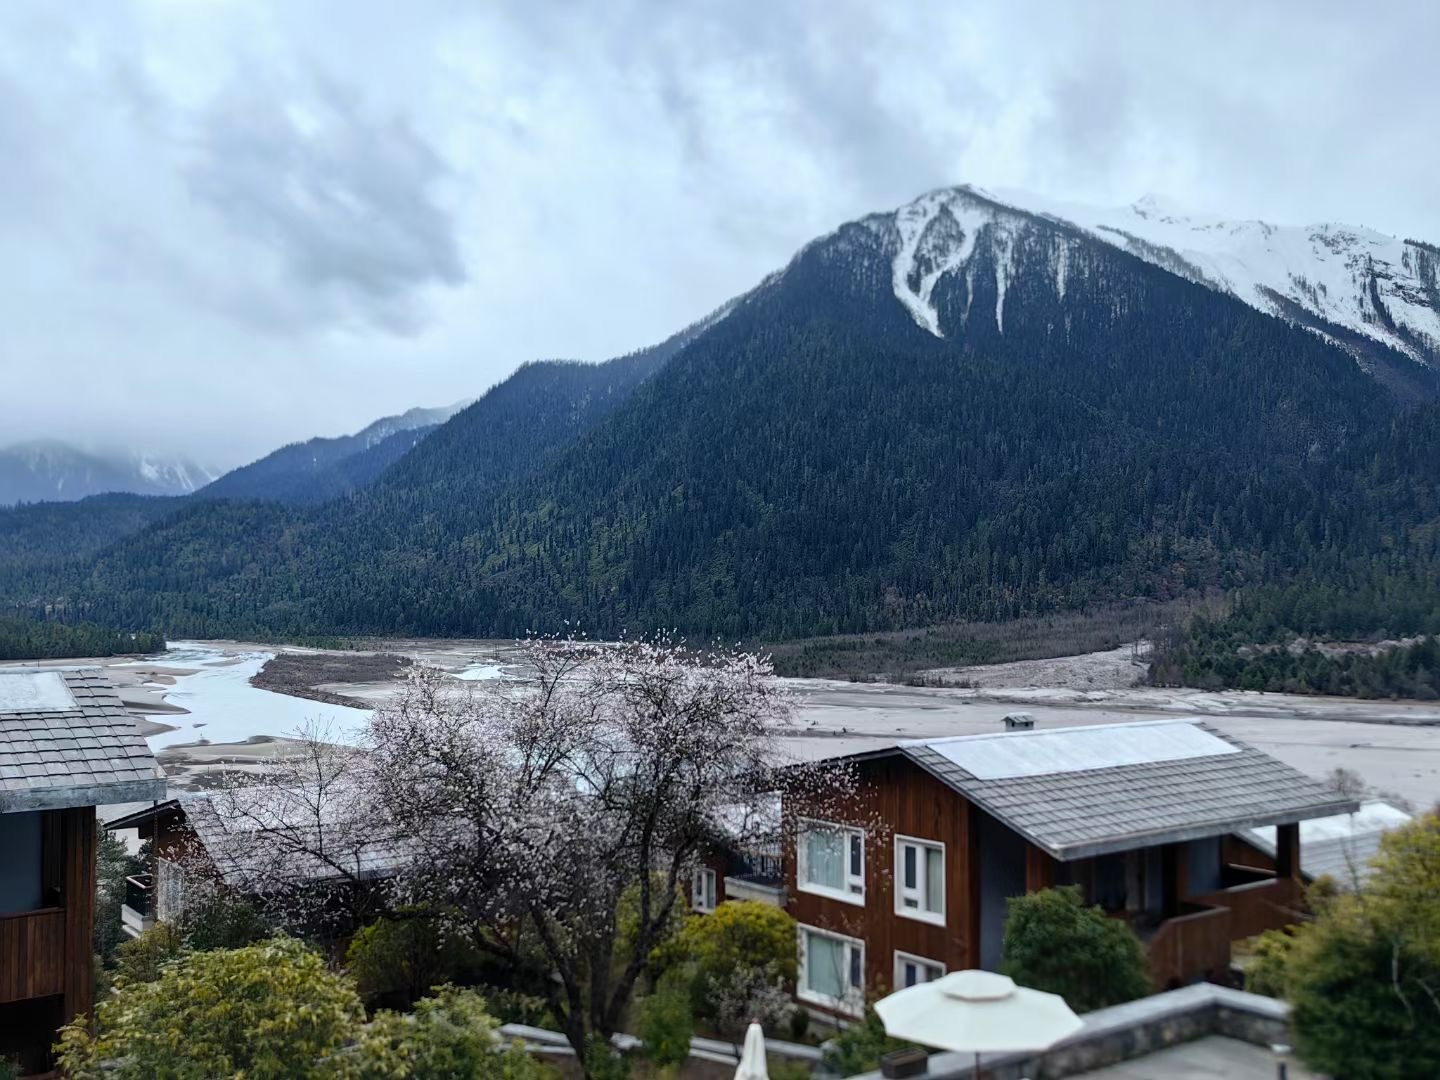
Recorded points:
909,851
934,880
825,858
912,976
824,965
710,888
857,865
855,975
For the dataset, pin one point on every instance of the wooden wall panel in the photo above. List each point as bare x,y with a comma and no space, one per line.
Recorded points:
910,802
32,954
78,865
1039,869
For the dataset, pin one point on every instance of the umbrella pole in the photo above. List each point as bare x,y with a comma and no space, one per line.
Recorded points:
977,1065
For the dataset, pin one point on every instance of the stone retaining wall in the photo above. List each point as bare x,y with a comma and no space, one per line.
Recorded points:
1124,1032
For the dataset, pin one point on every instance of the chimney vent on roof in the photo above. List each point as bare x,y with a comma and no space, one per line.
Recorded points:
1019,721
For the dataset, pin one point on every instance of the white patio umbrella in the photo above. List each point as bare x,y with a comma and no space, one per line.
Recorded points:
752,1059
978,1011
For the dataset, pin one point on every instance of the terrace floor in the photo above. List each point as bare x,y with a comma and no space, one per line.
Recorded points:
1212,1058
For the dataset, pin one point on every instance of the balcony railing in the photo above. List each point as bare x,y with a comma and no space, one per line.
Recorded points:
1259,905
138,892
1190,947
137,914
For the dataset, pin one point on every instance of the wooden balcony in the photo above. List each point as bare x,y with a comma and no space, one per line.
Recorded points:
1191,947
32,954
1259,905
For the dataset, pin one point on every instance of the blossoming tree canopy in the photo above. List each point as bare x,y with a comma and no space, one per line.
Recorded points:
526,809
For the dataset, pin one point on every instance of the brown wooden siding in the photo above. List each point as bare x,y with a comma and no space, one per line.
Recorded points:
32,954
46,974
910,803
77,828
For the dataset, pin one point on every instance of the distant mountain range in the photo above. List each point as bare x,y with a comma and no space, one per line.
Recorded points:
971,407
47,469
321,469
308,472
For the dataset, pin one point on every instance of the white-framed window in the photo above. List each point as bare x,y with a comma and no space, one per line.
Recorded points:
911,970
832,970
830,861
920,879
702,889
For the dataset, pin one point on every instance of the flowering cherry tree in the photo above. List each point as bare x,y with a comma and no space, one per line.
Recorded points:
528,813
533,806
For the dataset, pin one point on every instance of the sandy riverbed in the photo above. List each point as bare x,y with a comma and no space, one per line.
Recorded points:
1395,746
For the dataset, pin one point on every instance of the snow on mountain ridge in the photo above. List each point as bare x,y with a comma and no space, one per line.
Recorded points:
1351,277
50,469
1339,277
409,420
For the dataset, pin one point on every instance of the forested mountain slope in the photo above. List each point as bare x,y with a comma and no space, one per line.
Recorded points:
320,469
958,410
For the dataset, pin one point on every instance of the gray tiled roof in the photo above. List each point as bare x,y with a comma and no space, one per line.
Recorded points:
83,755
1092,811
1339,847
263,836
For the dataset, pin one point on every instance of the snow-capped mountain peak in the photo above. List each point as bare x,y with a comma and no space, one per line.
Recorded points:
1353,284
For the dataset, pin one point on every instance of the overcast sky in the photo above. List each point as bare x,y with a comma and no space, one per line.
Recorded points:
231,225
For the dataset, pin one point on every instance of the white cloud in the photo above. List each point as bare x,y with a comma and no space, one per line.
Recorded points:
230,225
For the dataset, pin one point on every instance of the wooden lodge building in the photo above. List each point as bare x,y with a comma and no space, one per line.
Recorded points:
67,745
253,841
914,882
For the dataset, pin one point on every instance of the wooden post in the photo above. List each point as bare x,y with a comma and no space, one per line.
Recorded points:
1287,851
1174,878
970,822
78,889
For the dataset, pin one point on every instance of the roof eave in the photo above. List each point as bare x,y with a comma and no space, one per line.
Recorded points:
137,817
65,798
1200,831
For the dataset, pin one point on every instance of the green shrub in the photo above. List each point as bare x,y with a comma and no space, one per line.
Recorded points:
666,952
860,1046
1362,976
1054,942
517,1007
786,1068
270,1011
741,933
141,959
1265,974
666,1020
396,961
216,918
603,1061
449,1036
